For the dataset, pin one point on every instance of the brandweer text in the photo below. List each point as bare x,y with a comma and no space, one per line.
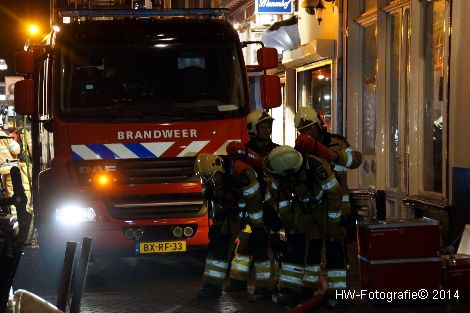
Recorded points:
157,134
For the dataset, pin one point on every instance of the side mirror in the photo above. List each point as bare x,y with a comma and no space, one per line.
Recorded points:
24,99
267,58
270,91
24,62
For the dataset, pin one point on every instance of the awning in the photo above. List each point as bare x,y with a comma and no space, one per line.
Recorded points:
282,35
313,51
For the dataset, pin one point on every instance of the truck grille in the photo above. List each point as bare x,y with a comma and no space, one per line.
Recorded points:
156,206
140,171
156,171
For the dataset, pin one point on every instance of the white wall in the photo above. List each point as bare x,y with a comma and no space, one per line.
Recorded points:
310,30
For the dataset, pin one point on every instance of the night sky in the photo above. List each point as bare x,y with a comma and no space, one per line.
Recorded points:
15,15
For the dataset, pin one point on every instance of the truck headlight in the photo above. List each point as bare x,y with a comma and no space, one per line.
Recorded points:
74,214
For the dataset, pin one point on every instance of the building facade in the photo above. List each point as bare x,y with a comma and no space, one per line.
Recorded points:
389,75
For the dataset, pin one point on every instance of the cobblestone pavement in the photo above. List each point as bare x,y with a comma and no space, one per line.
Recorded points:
169,283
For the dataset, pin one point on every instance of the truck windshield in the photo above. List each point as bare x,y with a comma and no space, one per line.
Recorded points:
169,81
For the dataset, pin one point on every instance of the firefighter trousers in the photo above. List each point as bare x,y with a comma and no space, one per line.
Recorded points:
293,263
252,246
335,265
217,258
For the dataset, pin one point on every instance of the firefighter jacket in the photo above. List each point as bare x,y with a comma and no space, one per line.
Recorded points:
25,143
263,151
271,218
237,196
9,148
350,158
235,200
312,193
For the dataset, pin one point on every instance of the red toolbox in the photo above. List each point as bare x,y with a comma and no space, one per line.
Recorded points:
457,276
400,255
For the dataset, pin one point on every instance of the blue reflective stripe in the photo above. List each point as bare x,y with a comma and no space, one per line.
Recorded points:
240,267
267,196
330,184
339,168
214,274
336,273
334,214
263,275
13,145
139,150
103,151
249,191
311,278
292,267
337,285
114,151
76,156
241,258
217,263
256,216
313,268
290,279
350,159
320,195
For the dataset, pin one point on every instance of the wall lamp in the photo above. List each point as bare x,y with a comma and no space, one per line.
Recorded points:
319,9
316,7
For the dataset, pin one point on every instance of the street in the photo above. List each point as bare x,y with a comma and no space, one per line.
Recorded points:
169,283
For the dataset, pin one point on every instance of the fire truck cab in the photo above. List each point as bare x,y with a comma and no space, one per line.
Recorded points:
120,102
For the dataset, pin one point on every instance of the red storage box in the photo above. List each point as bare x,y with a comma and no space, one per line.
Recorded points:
401,275
400,255
458,276
402,239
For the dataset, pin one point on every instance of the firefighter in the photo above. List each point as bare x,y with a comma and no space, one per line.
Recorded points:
229,186
259,127
308,198
308,122
23,137
9,151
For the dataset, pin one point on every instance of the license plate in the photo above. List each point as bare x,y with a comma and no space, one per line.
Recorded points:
160,247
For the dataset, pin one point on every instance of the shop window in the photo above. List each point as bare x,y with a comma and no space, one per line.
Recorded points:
394,102
397,97
314,90
434,102
255,95
369,103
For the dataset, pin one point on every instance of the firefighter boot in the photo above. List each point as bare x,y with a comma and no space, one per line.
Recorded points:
209,291
334,301
236,286
288,297
261,294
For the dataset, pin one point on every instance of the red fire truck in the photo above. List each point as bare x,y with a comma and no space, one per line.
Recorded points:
120,102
